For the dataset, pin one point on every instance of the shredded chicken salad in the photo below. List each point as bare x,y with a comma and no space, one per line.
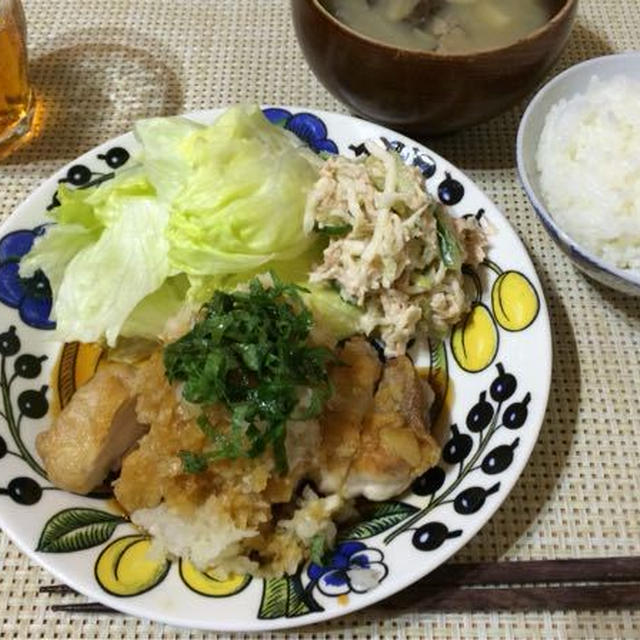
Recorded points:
394,250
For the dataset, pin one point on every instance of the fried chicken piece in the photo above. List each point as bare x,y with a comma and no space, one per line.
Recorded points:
153,471
354,379
149,470
92,433
302,443
374,442
395,445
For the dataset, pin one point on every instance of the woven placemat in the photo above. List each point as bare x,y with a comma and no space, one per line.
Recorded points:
98,66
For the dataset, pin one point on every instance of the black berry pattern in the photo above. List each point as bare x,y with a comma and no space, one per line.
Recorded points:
115,157
22,490
516,414
430,536
500,408
425,163
499,459
33,404
9,342
504,386
80,176
30,403
28,366
481,414
450,191
429,482
405,152
359,149
458,447
472,500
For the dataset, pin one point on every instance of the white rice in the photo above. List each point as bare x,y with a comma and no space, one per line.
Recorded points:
209,536
211,540
589,163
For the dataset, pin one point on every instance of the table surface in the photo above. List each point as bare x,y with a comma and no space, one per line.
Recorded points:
98,66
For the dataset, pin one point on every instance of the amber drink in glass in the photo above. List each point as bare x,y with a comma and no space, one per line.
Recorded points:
16,95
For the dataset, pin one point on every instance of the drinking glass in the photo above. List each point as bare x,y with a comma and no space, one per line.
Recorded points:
16,96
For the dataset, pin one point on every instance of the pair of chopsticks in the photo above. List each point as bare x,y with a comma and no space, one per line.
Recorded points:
598,583
552,585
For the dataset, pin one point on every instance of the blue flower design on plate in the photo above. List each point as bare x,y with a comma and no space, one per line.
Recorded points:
308,127
31,296
353,567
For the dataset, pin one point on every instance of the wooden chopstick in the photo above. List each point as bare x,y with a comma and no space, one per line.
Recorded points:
85,607
454,587
471,587
57,588
455,599
617,569
510,599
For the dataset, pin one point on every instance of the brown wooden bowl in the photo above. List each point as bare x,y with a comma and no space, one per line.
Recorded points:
423,92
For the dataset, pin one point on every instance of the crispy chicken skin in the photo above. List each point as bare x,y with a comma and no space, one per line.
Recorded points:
375,435
395,444
354,379
91,434
148,468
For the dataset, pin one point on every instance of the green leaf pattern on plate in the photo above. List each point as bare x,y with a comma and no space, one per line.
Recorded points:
77,529
379,518
286,597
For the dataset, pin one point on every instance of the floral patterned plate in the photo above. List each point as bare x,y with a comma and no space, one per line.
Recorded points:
491,379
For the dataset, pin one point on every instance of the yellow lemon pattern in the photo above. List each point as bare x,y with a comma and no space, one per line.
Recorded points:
474,342
77,364
124,568
515,301
205,584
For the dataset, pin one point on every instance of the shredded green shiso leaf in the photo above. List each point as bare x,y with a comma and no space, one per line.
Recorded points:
249,352
318,547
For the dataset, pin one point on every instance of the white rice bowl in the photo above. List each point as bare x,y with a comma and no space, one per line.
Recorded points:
588,159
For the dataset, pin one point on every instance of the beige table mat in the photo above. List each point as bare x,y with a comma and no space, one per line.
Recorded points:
99,65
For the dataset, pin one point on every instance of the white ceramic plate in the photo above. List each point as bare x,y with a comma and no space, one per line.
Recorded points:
491,379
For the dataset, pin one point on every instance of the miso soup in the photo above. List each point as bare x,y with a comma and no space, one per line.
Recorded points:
445,26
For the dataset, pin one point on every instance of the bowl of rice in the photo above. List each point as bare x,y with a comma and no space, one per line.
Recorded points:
579,163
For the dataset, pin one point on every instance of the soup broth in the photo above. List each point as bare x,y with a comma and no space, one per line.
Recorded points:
445,26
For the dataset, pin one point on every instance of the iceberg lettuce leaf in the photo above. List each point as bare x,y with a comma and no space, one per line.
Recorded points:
105,281
213,205
167,153
149,317
242,206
